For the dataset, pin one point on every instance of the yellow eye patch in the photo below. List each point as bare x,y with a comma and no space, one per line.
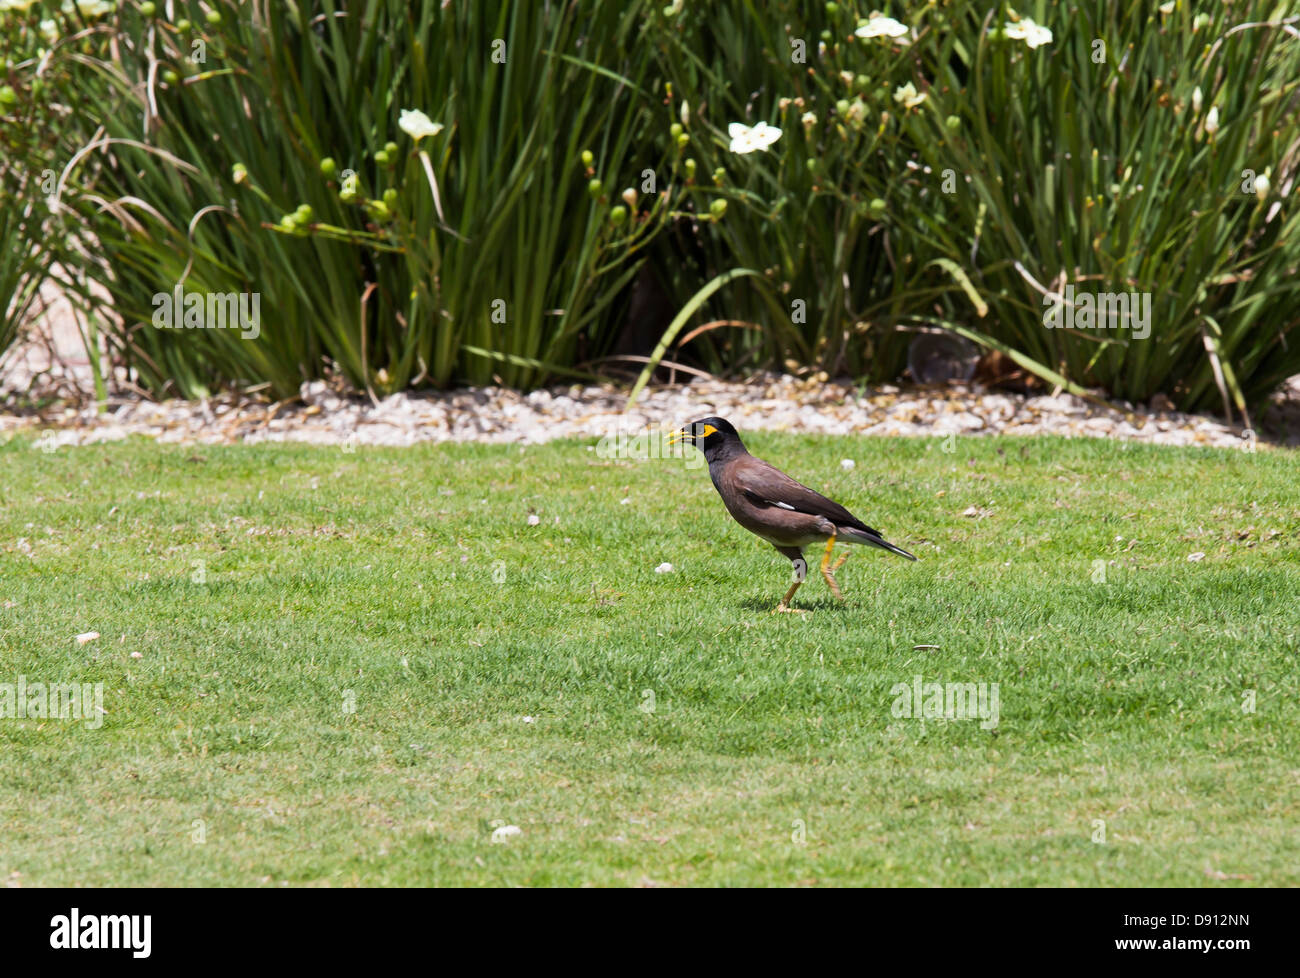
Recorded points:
708,430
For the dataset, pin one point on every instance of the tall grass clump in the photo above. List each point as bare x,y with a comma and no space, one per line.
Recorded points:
484,239
37,114
430,193
950,165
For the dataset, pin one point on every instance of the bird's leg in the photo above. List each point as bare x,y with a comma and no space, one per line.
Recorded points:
785,602
828,571
800,571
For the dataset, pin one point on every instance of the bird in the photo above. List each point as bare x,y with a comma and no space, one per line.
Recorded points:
771,505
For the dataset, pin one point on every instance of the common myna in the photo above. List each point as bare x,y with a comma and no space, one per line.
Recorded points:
768,503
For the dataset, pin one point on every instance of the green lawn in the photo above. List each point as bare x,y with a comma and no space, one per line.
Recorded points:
336,652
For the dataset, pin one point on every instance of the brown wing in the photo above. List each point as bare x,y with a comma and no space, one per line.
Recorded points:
765,484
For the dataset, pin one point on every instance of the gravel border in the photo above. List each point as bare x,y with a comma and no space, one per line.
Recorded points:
331,416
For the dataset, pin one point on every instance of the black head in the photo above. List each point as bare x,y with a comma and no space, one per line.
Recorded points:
715,437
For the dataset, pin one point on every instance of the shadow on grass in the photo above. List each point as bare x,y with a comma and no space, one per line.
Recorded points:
812,605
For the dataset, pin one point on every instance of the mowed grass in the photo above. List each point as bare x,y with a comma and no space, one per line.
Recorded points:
337,651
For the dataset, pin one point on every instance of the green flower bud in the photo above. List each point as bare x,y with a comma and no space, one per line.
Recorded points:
170,77
689,167
718,208
147,9
683,141
618,215
7,95
183,26
826,36
304,213
675,130
877,206
328,167
861,83
391,150
594,189
213,17
381,158
587,158
719,176
842,108
390,197
832,9
239,173
953,123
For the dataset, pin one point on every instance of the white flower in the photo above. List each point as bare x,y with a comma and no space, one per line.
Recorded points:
879,26
1261,185
907,95
533,519
1196,100
90,8
847,464
1026,30
808,119
746,140
505,832
664,568
1212,120
417,125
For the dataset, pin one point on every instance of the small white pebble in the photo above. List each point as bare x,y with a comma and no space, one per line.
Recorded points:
529,719
137,655
85,637
505,832
625,500
1196,556
664,568
847,463
533,519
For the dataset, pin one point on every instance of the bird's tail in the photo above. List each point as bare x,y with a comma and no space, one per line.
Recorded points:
874,539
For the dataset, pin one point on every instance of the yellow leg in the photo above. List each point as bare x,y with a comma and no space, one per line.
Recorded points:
828,571
785,602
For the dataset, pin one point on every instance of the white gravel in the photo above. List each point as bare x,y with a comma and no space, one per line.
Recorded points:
770,402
